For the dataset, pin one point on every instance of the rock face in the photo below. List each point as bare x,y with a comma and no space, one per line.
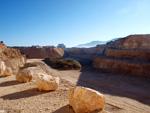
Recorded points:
46,82
136,42
129,55
85,100
122,66
86,53
12,59
2,67
43,52
136,55
24,75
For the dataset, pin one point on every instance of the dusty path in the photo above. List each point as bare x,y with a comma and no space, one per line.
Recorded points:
123,94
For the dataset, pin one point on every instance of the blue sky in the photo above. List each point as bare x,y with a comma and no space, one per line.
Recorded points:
72,22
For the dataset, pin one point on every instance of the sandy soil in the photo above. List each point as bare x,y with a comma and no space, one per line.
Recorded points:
123,94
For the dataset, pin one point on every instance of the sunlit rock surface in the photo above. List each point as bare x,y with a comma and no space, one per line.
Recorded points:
46,82
85,100
24,75
2,67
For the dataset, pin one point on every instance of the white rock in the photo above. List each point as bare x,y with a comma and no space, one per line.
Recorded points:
85,100
24,76
8,72
2,67
46,82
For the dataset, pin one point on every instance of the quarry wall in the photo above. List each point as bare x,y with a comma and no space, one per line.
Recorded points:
43,52
122,67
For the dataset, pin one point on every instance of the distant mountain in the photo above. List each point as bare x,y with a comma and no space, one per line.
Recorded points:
94,43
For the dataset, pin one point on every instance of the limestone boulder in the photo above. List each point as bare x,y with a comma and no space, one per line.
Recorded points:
2,67
46,82
85,100
8,72
24,76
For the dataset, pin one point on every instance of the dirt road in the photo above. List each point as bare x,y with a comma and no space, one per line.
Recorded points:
123,94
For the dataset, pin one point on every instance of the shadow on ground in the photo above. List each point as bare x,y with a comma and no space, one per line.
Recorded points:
116,84
9,83
23,94
64,109
1,76
68,109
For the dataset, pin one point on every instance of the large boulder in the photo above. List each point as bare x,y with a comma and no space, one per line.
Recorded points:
8,71
2,67
85,100
46,82
24,75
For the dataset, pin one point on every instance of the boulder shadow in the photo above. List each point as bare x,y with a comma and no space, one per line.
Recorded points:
24,94
65,109
9,83
69,109
2,76
136,88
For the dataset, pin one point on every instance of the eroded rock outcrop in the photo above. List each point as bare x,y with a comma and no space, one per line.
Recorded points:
86,53
122,66
46,82
129,55
43,52
24,75
136,55
136,42
85,100
12,59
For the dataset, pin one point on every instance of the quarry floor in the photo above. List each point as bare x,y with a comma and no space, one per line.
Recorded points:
124,94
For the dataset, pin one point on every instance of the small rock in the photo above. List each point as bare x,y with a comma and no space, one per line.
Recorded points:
85,100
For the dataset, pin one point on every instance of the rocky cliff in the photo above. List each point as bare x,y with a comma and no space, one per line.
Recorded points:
122,66
136,55
12,58
86,53
136,42
43,52
132,42
129,55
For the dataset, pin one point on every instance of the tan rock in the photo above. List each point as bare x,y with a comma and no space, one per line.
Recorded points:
24,76
2,67
84,100
8,72
43,52
46,82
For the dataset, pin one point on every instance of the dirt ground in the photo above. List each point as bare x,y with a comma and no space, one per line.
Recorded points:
124,94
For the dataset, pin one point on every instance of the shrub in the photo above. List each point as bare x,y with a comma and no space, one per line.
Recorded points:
62,64
28,65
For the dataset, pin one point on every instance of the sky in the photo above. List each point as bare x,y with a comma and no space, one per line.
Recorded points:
72,22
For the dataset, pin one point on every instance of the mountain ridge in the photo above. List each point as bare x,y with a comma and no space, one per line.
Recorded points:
95,43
